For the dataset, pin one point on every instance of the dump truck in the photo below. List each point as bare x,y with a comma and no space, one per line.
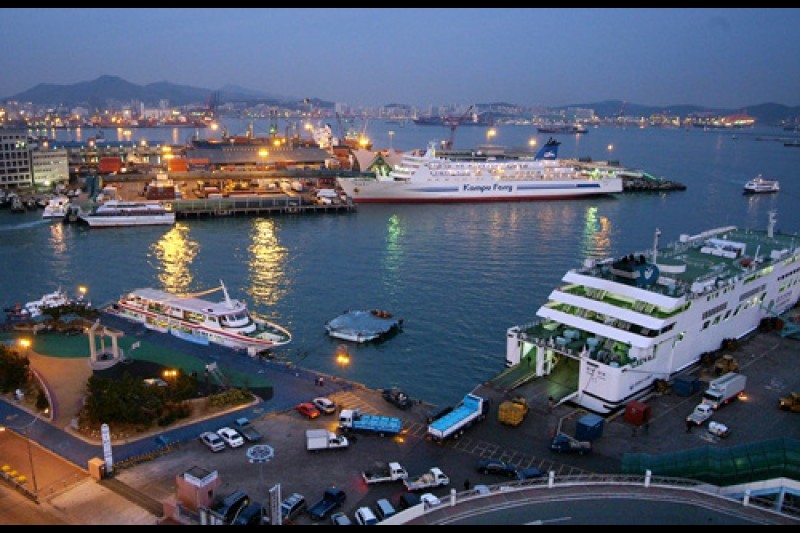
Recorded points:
472,409
354,420
512,412
384,473
790,402
724,389
322,439
431,479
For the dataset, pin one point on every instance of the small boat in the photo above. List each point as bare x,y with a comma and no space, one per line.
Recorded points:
760,185
57,298
115,213
363,326
56,207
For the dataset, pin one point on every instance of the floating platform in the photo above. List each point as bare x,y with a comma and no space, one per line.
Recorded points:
363,325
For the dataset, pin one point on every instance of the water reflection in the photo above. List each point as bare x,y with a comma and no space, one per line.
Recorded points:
60,262
267,266
596,235
394,252
175,253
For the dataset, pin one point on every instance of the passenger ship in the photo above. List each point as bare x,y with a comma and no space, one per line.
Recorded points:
487,175
630,321
115,213
188,317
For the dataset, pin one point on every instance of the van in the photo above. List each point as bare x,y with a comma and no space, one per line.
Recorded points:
384,509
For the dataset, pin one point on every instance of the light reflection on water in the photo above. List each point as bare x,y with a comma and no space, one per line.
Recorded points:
174,253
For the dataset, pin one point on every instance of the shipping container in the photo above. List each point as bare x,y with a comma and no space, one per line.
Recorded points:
637,413
109,165
686,385
589,427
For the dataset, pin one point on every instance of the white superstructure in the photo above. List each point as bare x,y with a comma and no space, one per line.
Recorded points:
126,213
488,175
633,320
188,317
56,207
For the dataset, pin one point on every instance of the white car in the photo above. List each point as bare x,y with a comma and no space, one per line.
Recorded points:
430,500
365,517
231,437
212,440
325,405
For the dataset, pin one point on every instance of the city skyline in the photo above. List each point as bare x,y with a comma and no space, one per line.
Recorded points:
550,57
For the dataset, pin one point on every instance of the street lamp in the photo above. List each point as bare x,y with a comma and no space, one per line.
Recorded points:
342,356
491,132
25,344
532,143
391,137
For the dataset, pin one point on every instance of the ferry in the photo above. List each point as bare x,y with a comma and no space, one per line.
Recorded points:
113,213
628,322
56,208
228,323
760,185
486,175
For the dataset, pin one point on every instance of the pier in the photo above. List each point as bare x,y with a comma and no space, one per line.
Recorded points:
254,205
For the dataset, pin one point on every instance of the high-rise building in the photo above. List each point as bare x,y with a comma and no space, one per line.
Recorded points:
15,159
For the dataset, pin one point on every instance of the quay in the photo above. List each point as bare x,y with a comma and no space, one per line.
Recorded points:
254,205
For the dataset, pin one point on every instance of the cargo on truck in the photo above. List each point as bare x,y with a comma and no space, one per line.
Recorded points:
354,420
431,479
563,443
383,473
512,412
724,389
322,439
472,409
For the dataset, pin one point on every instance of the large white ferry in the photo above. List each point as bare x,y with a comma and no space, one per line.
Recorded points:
188,317
124,213
633,320
486,175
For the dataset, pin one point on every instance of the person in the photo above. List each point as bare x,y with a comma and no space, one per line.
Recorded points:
550,404
466,484
688,426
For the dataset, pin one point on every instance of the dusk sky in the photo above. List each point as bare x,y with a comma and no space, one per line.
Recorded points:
711,57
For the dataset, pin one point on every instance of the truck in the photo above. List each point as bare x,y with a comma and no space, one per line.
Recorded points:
332,499
397,397
322,439
724,389
248,430
431,479
354,420
790,402
472,409
701,413
512,412
383,473
563,443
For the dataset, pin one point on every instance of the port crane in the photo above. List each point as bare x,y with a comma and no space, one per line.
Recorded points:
454,123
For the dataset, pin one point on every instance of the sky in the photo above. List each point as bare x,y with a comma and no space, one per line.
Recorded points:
711,57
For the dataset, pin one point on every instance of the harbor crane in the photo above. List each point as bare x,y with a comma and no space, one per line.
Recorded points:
454,123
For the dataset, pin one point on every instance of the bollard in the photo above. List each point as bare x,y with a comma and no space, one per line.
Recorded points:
551,479
648,476
452,497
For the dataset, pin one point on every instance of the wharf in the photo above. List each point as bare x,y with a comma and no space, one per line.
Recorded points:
253,205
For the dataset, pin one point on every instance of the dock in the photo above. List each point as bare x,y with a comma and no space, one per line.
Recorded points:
254,205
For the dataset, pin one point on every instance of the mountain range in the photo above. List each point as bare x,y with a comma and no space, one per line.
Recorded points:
97,93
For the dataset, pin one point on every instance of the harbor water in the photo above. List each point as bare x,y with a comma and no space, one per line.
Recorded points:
459,275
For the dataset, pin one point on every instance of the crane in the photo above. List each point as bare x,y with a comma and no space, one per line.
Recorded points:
454,123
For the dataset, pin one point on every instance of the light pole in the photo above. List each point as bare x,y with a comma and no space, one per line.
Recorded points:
391,138
261,454
532,143
491,132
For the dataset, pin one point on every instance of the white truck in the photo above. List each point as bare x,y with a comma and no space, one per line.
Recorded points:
384,473
470,410
701,413
322,439
431,479
724,389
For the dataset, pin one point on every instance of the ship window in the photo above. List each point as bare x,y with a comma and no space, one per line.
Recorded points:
705,324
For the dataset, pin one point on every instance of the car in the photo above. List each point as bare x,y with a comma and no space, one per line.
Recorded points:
384,509
398,398
292,505
340,519
307,409
408,499
495,466
365,517
250,515
231,437
213,441
430,500
325,405
530,473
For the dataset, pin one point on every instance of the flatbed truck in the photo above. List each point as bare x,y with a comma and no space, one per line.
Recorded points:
354,420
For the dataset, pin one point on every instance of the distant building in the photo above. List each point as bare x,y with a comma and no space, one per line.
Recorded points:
15,159
50,166
738,121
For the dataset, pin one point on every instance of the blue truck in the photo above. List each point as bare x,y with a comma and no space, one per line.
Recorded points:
354,420
472,409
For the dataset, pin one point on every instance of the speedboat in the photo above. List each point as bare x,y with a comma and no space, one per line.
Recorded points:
761,185
56,207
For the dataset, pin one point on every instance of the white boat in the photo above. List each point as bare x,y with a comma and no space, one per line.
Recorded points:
486,175
127,213
629,322
57,298
56,207
759,185
363,326
228,323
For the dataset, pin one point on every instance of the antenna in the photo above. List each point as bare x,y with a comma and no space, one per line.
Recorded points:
225,292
